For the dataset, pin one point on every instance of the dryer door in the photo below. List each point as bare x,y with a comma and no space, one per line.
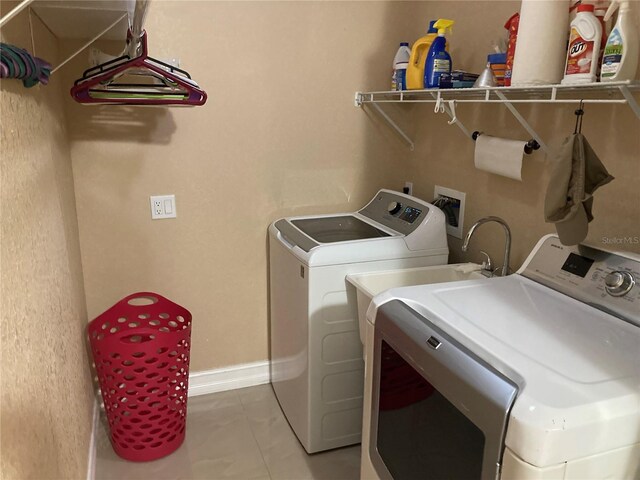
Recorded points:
438,411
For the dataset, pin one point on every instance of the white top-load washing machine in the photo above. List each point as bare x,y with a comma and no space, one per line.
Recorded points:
531,376
316,353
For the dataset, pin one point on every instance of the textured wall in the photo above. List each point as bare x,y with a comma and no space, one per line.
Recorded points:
46,393
443,156
279,136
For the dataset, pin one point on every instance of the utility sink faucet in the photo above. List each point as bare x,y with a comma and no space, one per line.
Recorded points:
507,243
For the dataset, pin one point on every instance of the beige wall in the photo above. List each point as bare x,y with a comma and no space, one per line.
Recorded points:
268,144
46,393
443,156
279,136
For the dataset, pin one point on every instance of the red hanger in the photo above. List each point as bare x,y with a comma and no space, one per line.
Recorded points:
98,84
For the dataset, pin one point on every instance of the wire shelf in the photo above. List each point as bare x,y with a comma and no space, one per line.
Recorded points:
446,100
609,93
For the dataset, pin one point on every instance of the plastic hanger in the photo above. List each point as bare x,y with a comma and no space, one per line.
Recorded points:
158,83
19,63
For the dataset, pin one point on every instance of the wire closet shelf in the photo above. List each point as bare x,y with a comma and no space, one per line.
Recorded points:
607,93
446,99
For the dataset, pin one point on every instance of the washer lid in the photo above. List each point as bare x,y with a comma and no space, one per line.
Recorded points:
342,228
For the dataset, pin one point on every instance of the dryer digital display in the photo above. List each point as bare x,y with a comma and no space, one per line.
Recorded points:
577,264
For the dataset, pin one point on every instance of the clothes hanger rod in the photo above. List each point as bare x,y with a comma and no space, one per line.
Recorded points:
77,52
15,11
136,27
139,14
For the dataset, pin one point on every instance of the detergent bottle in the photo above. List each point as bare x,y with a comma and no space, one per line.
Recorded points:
620,58
581,64
400,64
419,50
438,59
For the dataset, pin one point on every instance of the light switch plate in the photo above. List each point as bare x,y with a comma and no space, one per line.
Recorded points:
163,206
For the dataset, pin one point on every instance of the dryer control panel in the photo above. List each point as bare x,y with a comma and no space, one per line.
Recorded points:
399,212
608,281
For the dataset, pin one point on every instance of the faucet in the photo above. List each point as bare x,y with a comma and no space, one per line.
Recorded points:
507,245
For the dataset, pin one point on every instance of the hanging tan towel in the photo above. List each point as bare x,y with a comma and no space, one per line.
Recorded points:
576,174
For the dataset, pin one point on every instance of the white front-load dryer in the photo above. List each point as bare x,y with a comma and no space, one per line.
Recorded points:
316,352
531,376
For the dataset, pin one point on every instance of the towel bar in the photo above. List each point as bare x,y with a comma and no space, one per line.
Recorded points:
529,147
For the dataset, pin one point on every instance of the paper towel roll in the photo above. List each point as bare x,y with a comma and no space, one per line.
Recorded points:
501,156
542,43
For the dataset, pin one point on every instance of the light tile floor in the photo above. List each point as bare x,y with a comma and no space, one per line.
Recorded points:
239,434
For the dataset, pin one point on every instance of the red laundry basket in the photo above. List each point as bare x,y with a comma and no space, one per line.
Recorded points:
140,348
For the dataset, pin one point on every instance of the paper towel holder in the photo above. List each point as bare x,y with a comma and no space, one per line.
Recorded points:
529,147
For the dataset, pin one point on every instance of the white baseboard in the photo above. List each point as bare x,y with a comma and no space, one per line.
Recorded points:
91,462
229,378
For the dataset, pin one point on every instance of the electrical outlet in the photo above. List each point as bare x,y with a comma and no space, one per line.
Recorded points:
408,188
163,206
451,202
157,208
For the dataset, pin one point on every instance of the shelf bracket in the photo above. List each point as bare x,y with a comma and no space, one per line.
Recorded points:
15,11
359,102
514,111
77,52
25,3
631,101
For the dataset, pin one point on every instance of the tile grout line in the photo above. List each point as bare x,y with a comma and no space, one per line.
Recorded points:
244,410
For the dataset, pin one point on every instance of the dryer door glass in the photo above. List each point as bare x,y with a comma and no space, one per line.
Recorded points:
438,410
420,433
337,229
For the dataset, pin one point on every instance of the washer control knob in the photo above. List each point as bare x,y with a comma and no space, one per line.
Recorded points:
619,283
394,207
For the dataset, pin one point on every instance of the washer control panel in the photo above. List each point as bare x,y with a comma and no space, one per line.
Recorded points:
605,280
399,212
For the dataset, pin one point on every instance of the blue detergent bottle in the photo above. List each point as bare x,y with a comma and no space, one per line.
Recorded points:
438,59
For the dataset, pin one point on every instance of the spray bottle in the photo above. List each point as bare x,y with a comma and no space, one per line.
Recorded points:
438,59
620,58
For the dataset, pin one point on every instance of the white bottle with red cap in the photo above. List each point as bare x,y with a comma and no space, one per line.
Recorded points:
583,53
